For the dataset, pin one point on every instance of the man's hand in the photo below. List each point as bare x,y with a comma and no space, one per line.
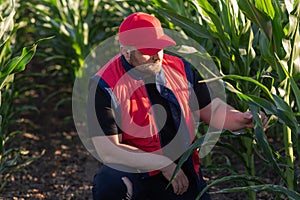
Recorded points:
264,120
180,183
247,119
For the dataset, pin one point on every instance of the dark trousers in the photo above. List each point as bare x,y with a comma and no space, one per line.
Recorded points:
111,184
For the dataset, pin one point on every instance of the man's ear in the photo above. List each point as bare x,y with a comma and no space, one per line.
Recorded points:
125,52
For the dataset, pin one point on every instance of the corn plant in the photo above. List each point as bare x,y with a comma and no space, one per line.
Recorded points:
256,47
11,158
280,48
78,26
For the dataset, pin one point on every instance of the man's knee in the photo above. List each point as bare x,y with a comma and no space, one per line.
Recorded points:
108,186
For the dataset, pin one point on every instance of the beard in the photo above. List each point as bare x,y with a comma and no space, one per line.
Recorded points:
149,68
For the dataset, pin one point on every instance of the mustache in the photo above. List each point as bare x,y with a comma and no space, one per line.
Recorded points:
152,68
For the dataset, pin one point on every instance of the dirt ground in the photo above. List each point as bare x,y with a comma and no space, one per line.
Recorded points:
65,168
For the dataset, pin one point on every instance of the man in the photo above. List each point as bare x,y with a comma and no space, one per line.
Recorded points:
141,111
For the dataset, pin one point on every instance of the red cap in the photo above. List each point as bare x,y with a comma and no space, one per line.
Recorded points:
145,33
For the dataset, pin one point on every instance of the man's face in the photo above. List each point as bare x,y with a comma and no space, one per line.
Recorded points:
146,63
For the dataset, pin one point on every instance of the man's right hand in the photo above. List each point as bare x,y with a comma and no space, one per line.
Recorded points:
180,183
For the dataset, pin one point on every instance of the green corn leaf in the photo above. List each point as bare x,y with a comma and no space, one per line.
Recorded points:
179,4
12,135
9,152
248,79
292,195
175,5
44,16
267,53
186,155
251,80
280,109
62,101
231,178
23,108
200,142
290,78
271,24
5,53
277,29
294,66
18,63
228,18
256,16
162,4
71,13
217,168
9,67
296,91
286,115
260,155
11,163
263,142
268,106
28,161
56,94
266,6
267,80
214,21
6,24
215,26
5,80
23,60
185,23
209,14
296,9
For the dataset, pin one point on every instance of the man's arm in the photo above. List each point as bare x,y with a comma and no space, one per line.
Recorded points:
111,150
223,116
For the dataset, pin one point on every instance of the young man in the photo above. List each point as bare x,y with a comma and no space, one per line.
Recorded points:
141,114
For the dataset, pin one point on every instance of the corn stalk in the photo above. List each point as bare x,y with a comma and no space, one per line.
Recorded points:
11,158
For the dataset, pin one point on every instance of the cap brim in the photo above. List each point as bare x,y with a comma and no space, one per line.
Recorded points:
156,45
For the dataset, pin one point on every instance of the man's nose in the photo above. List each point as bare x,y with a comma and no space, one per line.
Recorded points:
155,57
